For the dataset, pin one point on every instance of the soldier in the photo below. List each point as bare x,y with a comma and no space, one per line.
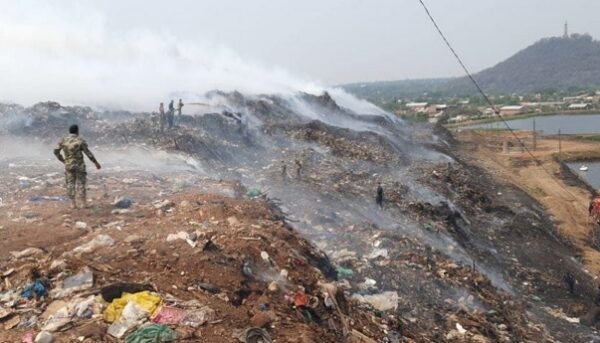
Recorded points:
171,114
379,196
73,147
161,117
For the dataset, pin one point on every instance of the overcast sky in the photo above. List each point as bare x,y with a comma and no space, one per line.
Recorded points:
130,53
336,41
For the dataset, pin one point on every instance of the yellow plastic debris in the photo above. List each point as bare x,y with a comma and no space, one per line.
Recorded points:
149,301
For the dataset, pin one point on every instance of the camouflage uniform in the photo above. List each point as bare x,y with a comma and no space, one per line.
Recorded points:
73,148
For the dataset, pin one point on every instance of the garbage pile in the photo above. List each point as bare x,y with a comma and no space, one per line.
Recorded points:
212,269
450,256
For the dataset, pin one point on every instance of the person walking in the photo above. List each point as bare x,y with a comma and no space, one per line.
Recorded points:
379,196
73,147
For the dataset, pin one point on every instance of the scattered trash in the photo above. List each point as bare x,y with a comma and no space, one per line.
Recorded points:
197,317
380,252
130,316
255,335
75,283
44,337
152,333
247,270
80,225
39,288
344,273
209,287
12,322
91,246
146,300
29,252
164,205
253,193
123,203
169,315
37,198
28,337
116,290
189,238
382,301
300,299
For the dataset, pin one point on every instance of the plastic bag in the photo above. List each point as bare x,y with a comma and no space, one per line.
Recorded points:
148,301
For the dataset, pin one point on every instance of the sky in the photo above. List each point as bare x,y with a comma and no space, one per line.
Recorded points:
129,53
339,41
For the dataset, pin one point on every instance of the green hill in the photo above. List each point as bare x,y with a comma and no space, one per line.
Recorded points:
551,63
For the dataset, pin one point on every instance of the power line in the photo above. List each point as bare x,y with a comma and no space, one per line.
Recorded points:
488,100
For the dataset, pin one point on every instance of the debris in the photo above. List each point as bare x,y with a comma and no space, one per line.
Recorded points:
91,246
38,288
189,238
147,301
29,252
44,337
80,225
12,322
344,273
197,317
382,301
152,333
116,290
75,283
261,319
209,287
164,205
168,315
129,317
28,337
123,203
37,198
253,193
300,299
255,335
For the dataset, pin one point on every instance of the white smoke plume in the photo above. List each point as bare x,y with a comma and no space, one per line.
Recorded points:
68,54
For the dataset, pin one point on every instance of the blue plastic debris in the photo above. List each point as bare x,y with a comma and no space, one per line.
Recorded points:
37,287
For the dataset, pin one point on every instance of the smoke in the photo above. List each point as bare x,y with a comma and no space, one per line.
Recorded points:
68,54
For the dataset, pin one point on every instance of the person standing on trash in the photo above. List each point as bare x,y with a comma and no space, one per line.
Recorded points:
171,114
179,107
73,147
161,117
379,196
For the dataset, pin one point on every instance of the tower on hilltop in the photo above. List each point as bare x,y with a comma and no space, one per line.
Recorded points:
566,34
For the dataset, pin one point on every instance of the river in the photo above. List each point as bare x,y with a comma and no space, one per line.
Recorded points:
567,123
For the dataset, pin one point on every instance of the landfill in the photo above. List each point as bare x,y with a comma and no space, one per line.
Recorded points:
198,234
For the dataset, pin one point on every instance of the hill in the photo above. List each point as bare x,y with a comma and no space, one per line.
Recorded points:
554,63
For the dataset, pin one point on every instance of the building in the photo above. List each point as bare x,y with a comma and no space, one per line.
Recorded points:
512,110
578,107
417,107
432,110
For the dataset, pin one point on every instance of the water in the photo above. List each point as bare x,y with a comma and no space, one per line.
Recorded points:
592,176
567,123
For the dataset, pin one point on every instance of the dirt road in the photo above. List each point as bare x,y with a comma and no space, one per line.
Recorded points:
566,203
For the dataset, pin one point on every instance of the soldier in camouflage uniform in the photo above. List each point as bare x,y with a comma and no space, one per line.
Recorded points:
73,147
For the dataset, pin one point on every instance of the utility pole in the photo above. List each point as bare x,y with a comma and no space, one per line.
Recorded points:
534,136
